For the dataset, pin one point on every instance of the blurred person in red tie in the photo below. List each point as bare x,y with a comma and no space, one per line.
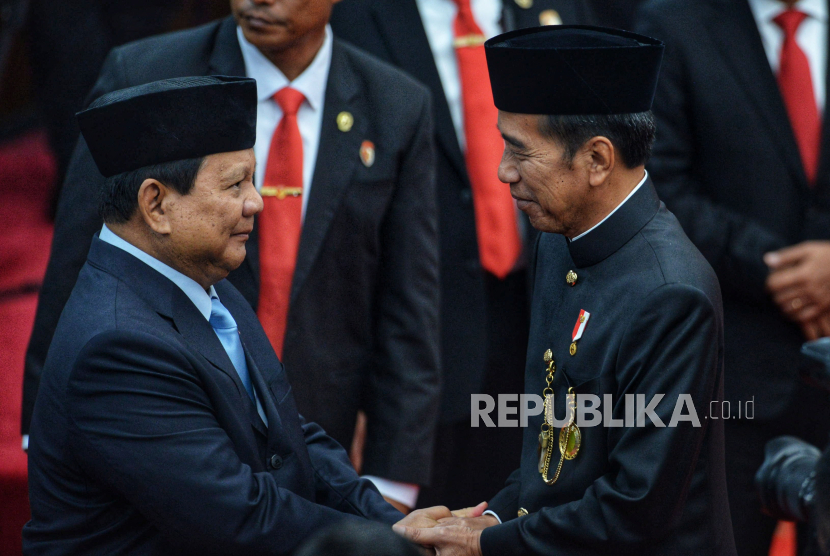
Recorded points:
484,238
342,267
742,158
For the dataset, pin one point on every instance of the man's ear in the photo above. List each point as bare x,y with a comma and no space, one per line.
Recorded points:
153,201
602,161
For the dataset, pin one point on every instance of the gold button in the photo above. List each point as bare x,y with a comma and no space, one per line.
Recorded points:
570,278
345,121
525,4
548,357
549,17
522,512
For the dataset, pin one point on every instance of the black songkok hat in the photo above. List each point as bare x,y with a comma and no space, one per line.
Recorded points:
573,69
169,120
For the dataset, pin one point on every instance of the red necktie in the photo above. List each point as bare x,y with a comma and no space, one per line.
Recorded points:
281,220
796,86
499,244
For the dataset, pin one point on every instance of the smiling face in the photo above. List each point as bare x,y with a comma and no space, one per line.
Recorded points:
546,187
276,25
208,227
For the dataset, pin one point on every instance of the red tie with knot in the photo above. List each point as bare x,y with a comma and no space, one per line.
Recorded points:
796,87
280,223
499,243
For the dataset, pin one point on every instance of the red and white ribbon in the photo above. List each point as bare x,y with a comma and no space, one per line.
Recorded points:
581,322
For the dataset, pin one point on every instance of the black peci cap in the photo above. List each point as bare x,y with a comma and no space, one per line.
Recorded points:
573,69
173,119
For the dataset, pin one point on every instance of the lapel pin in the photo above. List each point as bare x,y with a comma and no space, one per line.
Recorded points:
367,153
570,278
579,328
345,121
549,17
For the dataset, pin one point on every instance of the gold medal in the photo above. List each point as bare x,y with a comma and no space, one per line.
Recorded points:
542,449
570,439
573,348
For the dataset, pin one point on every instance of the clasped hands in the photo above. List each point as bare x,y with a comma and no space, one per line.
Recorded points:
799,283
455,533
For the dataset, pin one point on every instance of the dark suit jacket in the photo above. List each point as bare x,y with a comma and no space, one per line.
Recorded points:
392,30
363,319
144,440
656,327
726,162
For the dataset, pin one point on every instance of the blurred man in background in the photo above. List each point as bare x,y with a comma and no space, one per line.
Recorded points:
742,158
343,265
484,239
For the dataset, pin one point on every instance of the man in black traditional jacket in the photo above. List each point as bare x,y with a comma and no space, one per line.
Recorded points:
624,308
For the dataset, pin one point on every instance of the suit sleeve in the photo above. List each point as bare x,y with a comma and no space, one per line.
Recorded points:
733,244
141,423
338,484
672,346
505,503
76,222
404,388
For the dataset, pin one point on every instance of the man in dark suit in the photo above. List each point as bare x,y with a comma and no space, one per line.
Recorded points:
362,326
728,162
625,310
165,423
484,317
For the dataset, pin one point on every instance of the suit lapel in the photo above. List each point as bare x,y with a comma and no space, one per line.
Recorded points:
409,49
265,398
226,56
740,45
198,333
337,156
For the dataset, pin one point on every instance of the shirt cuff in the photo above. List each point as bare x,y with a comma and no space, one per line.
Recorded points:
405,493
25,442
492,513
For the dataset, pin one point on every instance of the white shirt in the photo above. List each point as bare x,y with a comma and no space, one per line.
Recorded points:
597,225
438,17
311,83
811,36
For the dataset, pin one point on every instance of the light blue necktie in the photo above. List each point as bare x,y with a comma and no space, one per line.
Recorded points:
225,327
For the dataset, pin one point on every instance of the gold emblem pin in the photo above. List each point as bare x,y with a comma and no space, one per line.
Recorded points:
345,121
367,153
573,348
522,512
570,278
550,17
524,4
548,356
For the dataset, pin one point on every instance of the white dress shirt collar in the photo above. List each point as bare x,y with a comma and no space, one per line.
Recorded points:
767,10
633,191
191,288
269,79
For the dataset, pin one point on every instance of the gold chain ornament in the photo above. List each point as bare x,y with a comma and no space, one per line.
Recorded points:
570,437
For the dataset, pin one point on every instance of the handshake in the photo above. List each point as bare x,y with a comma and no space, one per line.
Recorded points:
447,533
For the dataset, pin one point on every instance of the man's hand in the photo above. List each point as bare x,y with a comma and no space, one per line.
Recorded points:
474,523
817,328
429,517
800,284
425,518
450,540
